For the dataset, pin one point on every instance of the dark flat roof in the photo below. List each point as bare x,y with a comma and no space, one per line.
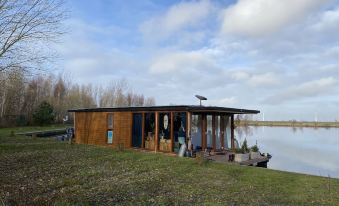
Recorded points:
188,108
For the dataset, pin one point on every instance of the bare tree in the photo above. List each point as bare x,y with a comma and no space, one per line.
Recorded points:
58,100
150,101
20,96
26,27
12,95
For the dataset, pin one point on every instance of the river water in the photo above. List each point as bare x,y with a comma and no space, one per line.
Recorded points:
312,151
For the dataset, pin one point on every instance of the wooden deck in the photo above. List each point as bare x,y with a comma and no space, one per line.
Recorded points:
254,162
225,159
220,158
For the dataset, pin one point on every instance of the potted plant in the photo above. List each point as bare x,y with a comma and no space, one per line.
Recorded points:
242,154
255,154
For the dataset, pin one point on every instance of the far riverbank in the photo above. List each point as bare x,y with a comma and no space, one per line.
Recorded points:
286,123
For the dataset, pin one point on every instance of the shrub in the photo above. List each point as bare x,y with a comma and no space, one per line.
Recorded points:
44,114
255,148
21,121
244,147
239,151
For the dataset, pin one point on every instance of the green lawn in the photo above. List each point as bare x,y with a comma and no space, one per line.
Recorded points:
46,172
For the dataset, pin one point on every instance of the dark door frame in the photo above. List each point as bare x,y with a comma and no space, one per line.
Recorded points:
137,141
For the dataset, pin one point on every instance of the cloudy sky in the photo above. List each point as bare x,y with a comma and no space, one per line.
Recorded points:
281,57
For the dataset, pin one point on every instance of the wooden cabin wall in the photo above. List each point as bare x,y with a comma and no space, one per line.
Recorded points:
91,128
122,132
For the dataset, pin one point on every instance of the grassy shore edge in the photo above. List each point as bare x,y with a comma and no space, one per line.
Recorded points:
42,171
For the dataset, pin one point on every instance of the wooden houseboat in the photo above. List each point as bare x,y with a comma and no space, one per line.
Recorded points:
158,128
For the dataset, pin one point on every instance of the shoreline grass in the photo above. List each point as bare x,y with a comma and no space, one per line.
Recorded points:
42,171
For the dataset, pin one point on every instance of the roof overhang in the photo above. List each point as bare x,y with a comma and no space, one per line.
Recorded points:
187,108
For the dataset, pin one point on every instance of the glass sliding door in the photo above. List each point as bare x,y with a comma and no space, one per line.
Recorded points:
196,131
165,141
149,131
209,130
227,132
179,130
218,132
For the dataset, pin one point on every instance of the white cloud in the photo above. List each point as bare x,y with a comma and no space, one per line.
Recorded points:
328,20
266,79
186,54
86,58
255,80
179,61
262,17
177,17
240,75
224,102
308,89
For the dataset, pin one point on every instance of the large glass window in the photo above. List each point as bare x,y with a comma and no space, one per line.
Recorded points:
218,132
165,132
227,132
209,131
196,132
179,129
149,131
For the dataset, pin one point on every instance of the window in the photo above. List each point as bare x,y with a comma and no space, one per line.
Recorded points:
218,132
110,121
179,129
165,132
149,129
196,132
209,134
227,132
110,128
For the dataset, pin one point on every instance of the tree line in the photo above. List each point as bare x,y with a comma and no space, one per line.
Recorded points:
21,95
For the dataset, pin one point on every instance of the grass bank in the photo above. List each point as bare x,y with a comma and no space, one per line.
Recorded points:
42,171
287,124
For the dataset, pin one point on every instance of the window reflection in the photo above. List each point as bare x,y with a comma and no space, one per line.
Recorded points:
218,133
149,131
209,131
227,132
196,132
164,132
179,129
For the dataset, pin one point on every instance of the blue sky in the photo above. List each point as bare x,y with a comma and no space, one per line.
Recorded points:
280,57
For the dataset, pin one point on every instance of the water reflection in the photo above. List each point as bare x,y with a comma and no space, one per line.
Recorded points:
295,129
296,149
241,133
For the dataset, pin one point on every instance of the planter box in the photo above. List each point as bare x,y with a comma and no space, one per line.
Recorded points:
241,157
255,155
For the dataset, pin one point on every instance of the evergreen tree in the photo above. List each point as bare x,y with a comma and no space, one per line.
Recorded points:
44,115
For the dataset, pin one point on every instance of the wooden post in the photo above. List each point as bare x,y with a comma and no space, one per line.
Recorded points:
232,132
188,125
203,130
188,129
131,125
156,131
222,131
143,130
213,132
172,131
75,134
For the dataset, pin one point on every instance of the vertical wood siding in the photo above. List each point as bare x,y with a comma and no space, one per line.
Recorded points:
91,128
